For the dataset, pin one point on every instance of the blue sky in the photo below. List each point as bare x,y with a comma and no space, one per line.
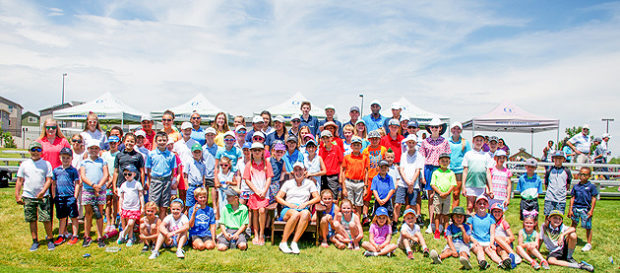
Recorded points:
457,58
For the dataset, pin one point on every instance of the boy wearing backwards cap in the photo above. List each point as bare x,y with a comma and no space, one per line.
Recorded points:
94,174
352,175
410,235
529,187
443,182
66,185
34,176
557,181
561,240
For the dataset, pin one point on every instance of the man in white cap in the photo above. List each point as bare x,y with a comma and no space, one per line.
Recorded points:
354,113
580,143
257,126
396,110
374,120
307,119
330,111
147,128
198,134
605,146
184,145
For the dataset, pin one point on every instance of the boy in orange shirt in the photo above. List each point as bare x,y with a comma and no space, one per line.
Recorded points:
352,175
372,155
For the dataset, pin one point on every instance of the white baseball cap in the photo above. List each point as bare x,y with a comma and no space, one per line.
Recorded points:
210,130
396,106
257,119
140,133
279,118
92,143
457,124
375,102
330,106
186,125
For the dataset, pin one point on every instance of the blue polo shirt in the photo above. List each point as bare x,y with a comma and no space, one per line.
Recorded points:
65,180
372,123
199,135
204,219
161,163
211,150
276,167
583,194
196,171
311,122
382,185
209,162
273,137
290,159
233,154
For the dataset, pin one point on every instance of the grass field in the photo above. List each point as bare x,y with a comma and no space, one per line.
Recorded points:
15,256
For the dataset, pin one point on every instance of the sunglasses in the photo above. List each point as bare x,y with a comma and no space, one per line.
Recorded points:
434,127
241,132
257,138
295,120
224,165
127,174
51,127
78,141
36,150
166,119
194,118
229,139
584,174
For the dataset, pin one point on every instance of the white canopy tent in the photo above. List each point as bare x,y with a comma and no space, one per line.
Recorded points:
413,112
199,104
107,107
292,106
507,117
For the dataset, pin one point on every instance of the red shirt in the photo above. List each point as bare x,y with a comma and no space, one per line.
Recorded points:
51,151
332,159
148,141
394,144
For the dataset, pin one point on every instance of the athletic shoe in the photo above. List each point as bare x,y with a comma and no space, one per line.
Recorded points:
389,254
369,253
505,264
73,241
154,255
145,248
294,248
100,243
87,241
518,259
545,265
513,260
365,221
429,230
572,260
60,240
465,263
435,257
410,255
284,248
34,246
180,253
425,252
586,266
437,234
535,265
586,248
50,245
129,243
483,265
121,239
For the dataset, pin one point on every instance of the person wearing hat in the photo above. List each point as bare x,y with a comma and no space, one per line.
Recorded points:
561,252
229,150
34,177
605,145
258,174
598,156
407,189
244,189
557,181
257,126
291,155
95,175
458,237
198,134
383,188
140,141
443,182
330,111
529,188
220,124
307,120
297,195
396,110
412,128
183,150
315,167
278,165
233,222
482,223
131,200
52,141
410,235
354,114
173,230
66,182
393,139
476,172
336,133
500,180
279,132
210,145
372,155
374,120
147,127
380,232
352,175
295,122
492,147
194,173
240,133
332,156
431,148
580,143
458,147
111,206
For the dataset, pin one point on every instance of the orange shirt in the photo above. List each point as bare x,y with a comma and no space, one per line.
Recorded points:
355,167
372,156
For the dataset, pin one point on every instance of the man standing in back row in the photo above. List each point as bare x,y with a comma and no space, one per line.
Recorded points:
374,120
580,143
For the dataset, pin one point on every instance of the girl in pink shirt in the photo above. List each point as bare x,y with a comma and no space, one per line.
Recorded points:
257,175
500,181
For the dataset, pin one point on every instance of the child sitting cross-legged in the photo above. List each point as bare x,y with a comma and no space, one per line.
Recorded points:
380,235
173,230
149,225
529,241
410,235
458,236
233,222
348,227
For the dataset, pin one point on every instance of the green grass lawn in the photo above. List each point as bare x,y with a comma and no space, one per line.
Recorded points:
15,256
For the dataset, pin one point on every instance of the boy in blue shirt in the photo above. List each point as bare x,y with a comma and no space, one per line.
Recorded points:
557,181
160,163
383,187
66,182
582,204
529,187
201,222
194,173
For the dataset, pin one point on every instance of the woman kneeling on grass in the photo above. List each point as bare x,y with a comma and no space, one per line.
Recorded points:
294,196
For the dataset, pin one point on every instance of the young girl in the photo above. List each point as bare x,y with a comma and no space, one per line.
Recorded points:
173,230
348,227
529,241
279,167
149,226
94,174
360,129
327,221
380,235
258,176
77,145
503,238
314,163
500,181
244,190
111,204
132,204
93,131
302,137
224,178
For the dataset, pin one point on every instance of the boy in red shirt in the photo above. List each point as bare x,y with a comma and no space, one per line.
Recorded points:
393,140
332,157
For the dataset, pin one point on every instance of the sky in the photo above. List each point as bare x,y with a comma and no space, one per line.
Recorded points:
557,59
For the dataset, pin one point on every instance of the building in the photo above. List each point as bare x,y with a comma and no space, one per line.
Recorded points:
46,113
30,119
10,117
522,155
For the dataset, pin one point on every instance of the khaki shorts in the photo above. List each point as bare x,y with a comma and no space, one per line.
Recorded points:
40,209
355,192
441,205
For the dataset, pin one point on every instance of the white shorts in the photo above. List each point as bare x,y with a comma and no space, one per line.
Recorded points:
485,244
460,248
474,192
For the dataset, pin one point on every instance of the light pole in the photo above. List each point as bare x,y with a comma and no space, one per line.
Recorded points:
607,120
362,106
63,88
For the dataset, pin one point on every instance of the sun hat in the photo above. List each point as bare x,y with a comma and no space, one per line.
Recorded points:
436,122
257,145
374,134
186,125
458,211
478,135
279,146
586,126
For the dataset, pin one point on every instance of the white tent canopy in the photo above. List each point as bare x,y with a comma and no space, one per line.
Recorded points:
107,107
511,118
183,112
292,106
413,112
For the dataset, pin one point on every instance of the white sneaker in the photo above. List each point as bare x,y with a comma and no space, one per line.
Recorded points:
284,248
154,255
586,248
465,263
518,259
429,230
435,257
294,248
180,253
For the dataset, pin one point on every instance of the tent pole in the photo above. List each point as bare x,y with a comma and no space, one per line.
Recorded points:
557,138
532,142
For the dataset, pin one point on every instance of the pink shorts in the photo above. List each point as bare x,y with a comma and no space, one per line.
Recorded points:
131,214
255,202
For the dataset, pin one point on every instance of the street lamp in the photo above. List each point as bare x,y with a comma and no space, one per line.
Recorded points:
607,120
362,106
63,88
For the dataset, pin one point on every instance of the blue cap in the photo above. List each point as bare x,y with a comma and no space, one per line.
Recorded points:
113,139
66,151
131,168
558,153
381,211
407,211
247,145
413,123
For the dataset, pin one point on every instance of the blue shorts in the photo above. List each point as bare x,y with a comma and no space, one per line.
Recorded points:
401,196
550,205
582,214
175,242
66,206
284,210
428,174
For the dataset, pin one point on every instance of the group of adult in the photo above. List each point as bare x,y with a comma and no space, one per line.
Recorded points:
582,148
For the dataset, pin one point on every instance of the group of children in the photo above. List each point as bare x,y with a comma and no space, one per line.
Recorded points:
486,185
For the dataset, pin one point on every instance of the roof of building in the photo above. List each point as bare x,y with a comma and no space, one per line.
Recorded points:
10,102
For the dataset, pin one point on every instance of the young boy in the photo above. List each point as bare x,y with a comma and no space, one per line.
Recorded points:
159,167
443,182
582,204
560,241
383,187
483,234
194,173
458,237
66,182
352,175
476,173
393,172
34,176
410,235
529,187
411,164
372,155
233,222
332,157
201,222
557,181
94,174
173,230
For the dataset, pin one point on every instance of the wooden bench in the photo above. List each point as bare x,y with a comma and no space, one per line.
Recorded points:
313,227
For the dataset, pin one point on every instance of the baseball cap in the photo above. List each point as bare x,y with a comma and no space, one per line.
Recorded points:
210,130
247,145
326,133
295,117
356,139
383,163
279,118
444,155
354,108
478,135
499,153
66,151
381,211
239,127
496,206
531,162
394,122
556,212
413,123
196,147
311,141
586,126
457,124
92,143
113,139
299,164
598,139
606,135
230,192
408,211
558,153
375,102
482,197
374,134
411,137
279,146
258,134
360,121
257,119
186,125
396,106
330,106
146,117
291,138
170,141
257,145
230,134
493,138
140,133
131,168
311,136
